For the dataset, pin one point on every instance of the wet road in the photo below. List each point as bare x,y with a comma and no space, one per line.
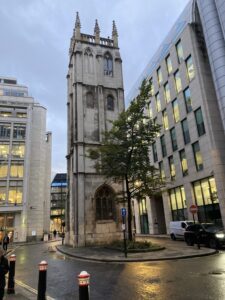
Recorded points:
196,278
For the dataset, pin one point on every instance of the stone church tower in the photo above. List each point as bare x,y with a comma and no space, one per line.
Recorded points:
95,97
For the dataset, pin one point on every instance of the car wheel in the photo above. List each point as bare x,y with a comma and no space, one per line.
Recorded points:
173,237
189,241
213,244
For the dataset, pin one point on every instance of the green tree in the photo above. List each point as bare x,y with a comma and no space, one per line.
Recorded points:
124,152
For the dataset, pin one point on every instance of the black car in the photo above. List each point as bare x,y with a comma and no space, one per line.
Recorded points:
208,234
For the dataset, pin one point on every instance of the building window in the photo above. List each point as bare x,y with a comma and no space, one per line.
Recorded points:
173,139
172,168
197,156
180,53
169,65
16,169
157,102
199,122
165,120
187,99
177,79
176,113
15,192
90,100
183,161
159,76
155,123
110,103
163,146
143,216
152,87
154,151
178,204
3,169
167,92
19,131
105,204
5,130
190,68
2,195
4,150
150,110
185,130
206,198
108,64
161,170
18,150
21,115
5,114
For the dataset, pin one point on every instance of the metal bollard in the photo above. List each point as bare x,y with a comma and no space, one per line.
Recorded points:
83,281
11,282
42,280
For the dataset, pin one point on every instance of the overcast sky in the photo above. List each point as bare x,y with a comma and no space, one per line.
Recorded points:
35,37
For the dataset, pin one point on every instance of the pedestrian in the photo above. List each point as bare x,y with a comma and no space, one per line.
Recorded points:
5,242
54,233
4,268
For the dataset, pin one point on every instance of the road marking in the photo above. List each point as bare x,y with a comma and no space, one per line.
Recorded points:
27,287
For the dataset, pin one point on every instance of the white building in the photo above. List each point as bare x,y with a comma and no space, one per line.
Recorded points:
188,100
25,164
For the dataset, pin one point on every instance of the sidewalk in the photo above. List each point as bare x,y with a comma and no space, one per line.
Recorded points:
173,250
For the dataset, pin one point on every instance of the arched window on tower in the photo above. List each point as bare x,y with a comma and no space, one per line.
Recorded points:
108,64
90,100
110,103
88,61
105,203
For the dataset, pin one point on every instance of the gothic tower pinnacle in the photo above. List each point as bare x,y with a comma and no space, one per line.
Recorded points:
97,32
114,35
77,27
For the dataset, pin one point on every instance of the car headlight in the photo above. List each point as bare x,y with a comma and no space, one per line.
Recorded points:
220,235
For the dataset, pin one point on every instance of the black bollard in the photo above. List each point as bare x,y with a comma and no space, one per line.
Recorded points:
42,280
11,282
83,281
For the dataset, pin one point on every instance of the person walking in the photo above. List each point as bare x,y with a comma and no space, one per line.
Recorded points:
5,242
4,268
54,233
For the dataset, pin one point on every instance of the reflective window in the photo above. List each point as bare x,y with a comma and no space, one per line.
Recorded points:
199,121
22,115
16,169
176,113
154,151
172,168
161,170
150,110
197,156
165,120
169,64
108,64
167,92
5,130
183,161
163,145
185,131
4,150
2,194
152,86
19,131
110,103
178,84
3,169
190,68
15,192
173,139
159,76
180,53
187,99
5,114
158,102
178,203
18,150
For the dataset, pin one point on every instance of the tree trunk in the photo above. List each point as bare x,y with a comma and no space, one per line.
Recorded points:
129,211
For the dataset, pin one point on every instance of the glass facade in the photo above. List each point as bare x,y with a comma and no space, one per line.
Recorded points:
143,213
5,130
152,87
185,131
18,150
15,192
176,112
199,121
197,156
169,65
167,92
206,199
178,204
159,76
16,169
157,102
163,145
154,151
165,120
190,68
173,139
187,99
172,168
19,131
180,53
4,150
177,79
161,170
183,161
3,169
150,110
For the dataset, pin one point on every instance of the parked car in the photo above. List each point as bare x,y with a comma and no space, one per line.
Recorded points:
208,234
177,229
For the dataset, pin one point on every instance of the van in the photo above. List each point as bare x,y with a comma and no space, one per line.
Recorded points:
177,229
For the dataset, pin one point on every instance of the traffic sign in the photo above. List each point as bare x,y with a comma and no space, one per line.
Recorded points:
193,209
123,212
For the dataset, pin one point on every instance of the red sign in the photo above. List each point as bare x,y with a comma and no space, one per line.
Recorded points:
193,209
